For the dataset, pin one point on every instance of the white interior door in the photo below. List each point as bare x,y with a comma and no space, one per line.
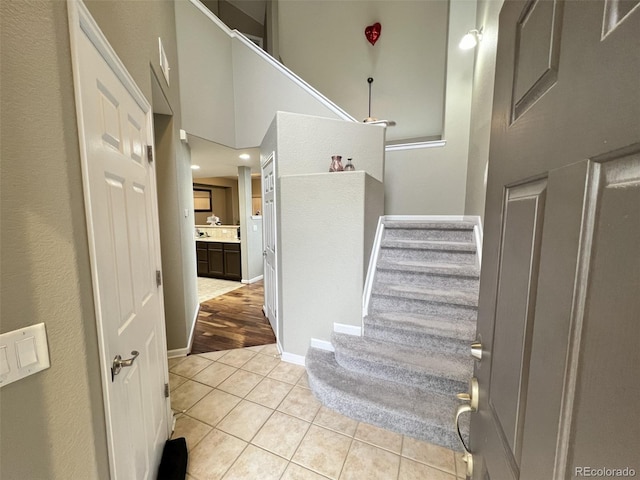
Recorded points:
270,242
559,304
115,123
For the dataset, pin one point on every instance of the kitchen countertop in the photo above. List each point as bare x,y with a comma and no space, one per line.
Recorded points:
218,240
218,226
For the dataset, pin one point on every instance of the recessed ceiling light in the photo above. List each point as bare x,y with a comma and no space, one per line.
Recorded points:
245,156
195,167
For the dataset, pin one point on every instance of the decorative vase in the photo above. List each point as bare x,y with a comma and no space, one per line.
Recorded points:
336,164
349,166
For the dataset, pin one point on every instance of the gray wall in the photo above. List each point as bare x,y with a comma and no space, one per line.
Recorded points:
481,107
236,19
310,142
223,84
325,222
432,181
324,252
53,421
324,43
206,76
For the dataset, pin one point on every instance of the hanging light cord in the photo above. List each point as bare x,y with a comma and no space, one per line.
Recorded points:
370,81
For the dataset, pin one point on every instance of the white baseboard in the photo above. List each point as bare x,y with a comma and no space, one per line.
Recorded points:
181,352
322,345
348,329
293,358
253,280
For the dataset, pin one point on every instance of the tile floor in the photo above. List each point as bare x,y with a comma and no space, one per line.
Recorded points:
209,288
248,415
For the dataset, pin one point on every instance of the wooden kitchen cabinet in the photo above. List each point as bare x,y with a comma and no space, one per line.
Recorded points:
219,260
202,257
216,260
232,263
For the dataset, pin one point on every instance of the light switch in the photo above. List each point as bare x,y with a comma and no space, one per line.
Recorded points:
4,362
23,352
26,352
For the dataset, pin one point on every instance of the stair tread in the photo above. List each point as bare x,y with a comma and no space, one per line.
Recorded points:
454,297
460,270
403,358
439,245
423,324
435,225
402,408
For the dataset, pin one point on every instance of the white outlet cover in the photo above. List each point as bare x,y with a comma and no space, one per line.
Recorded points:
24,352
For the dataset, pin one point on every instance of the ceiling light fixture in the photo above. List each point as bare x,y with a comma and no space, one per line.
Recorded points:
195,167
245,156
471,39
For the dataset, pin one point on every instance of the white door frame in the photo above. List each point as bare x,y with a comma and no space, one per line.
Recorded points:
81,23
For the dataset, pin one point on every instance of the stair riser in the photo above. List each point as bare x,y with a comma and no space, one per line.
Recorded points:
383,303
428,343
422,234
395,421
422,255
380,369
443,282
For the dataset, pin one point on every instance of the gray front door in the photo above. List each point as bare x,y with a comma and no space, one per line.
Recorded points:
559,316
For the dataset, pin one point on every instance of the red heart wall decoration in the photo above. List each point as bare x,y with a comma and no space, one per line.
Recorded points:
372,32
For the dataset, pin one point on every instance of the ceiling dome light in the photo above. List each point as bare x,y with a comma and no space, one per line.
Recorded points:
195,167
471,39
245,156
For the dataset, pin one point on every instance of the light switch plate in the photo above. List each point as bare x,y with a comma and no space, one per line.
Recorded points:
23,352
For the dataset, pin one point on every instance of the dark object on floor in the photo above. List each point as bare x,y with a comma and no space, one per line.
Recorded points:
173,465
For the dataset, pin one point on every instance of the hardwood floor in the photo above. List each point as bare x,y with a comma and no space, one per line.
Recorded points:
233,320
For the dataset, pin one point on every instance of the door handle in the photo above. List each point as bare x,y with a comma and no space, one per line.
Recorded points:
264,253
119,363
472,406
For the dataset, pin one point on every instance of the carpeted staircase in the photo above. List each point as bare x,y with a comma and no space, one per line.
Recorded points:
403,374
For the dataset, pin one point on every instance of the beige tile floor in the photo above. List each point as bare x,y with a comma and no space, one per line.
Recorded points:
209,288
248,415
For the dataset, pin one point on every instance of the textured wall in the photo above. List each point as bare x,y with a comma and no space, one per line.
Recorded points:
432,181
53,421
324,43
324,253
206,76
307,143
326,222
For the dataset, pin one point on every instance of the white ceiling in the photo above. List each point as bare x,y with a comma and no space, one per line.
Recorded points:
217,160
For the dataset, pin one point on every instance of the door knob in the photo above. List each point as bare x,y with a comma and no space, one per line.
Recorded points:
476,350
119,363
472,406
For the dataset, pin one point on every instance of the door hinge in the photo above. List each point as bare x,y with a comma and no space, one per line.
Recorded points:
150,153
166,390
158,278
